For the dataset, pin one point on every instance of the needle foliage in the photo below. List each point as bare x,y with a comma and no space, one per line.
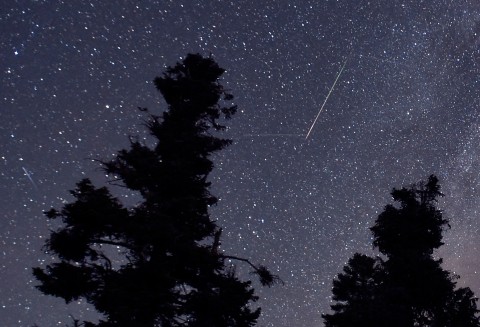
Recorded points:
157,263
406,287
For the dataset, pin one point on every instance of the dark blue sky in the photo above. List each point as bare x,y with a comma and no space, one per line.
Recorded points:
406,106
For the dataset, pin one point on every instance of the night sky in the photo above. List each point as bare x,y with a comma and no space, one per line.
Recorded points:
405,106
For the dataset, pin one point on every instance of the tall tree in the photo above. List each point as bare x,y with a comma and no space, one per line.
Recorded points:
158,263
409,288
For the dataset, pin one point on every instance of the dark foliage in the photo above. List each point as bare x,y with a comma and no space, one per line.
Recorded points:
158,263
415,228
409,288
354,292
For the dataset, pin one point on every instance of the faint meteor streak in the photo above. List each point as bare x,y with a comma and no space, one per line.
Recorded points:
326,98
29,175
271,135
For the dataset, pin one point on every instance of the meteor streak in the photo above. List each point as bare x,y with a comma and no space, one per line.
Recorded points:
326,98
271,135
29,175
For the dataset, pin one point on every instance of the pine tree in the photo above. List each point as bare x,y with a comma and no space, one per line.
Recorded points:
158,263
354,291
409,288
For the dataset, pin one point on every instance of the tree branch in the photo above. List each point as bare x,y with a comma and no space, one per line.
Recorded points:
239,259
122,244
265,276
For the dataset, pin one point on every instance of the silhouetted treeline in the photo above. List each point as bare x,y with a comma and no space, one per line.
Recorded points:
407,287
158,263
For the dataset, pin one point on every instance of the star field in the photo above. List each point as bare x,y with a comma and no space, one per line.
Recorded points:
406,106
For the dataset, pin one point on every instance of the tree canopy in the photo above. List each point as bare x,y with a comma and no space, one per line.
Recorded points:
157,263
407,287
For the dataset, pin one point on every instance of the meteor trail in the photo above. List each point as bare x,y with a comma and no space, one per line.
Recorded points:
326,98
27,173
270,135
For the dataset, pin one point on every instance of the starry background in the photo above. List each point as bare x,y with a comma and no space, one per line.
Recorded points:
406,106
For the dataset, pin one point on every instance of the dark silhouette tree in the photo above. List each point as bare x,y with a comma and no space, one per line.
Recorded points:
354,291
157,263
409,288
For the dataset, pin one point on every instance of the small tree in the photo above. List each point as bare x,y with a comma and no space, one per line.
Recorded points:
158,263
354,291
409,288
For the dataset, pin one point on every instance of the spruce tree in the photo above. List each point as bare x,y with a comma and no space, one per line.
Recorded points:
407,287
157,263
354,291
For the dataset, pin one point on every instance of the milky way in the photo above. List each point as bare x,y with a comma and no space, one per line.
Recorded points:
406,106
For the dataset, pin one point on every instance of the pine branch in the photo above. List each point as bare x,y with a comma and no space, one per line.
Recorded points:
265,276
114,243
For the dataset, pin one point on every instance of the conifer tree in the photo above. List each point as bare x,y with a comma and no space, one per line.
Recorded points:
407,287
157,263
